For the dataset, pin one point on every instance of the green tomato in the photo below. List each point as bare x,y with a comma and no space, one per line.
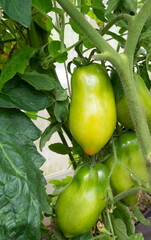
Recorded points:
128,154
92,115
80,204
123,114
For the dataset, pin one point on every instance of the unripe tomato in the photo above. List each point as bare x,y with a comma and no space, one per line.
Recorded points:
123,114
80,204
92,115
129,154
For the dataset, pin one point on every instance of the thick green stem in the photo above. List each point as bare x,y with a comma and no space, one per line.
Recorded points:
86,27
136,24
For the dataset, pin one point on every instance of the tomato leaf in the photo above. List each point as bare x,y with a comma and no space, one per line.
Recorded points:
138,214
39,81
112,4
61,110
44,6
138,236
59,148
121,211
60,94
16,64
18,93
144,74
44,21
48,133
19,11
84,236
117,85
75,27
54,49
99,9
19,124
21,181
120,229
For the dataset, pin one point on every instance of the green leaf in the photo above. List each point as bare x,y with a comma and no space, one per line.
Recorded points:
59,185
138,236
16,64
117,85
138,214
120,229
19,11
144,74
44,6
48,133
44,201
61,110
5,101
39,81
32,115
54,49
63,182
121,211
18,124
58,234
75,27
117,37
24,96
99,9
84,236
60,94
112,4
44,21
21,181
59,148
130,5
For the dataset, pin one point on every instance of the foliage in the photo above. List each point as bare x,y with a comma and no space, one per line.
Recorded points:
29,84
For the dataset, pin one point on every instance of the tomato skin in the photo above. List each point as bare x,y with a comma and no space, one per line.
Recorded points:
123,114
92,115
130,155
79,205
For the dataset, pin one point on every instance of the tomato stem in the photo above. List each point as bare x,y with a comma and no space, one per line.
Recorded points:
129,192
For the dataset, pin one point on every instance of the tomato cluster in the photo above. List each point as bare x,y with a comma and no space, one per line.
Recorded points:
92,121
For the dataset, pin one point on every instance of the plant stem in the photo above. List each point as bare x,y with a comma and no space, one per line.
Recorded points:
125,17
110,223
70,155
129,192
136,24
86,27
67,77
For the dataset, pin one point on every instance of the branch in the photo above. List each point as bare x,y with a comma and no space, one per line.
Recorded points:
125,17
86,27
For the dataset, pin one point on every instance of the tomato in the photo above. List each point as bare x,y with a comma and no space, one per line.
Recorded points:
80,204
92,115
130,155
123,114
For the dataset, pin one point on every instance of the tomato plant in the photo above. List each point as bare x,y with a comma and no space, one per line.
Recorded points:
33,41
